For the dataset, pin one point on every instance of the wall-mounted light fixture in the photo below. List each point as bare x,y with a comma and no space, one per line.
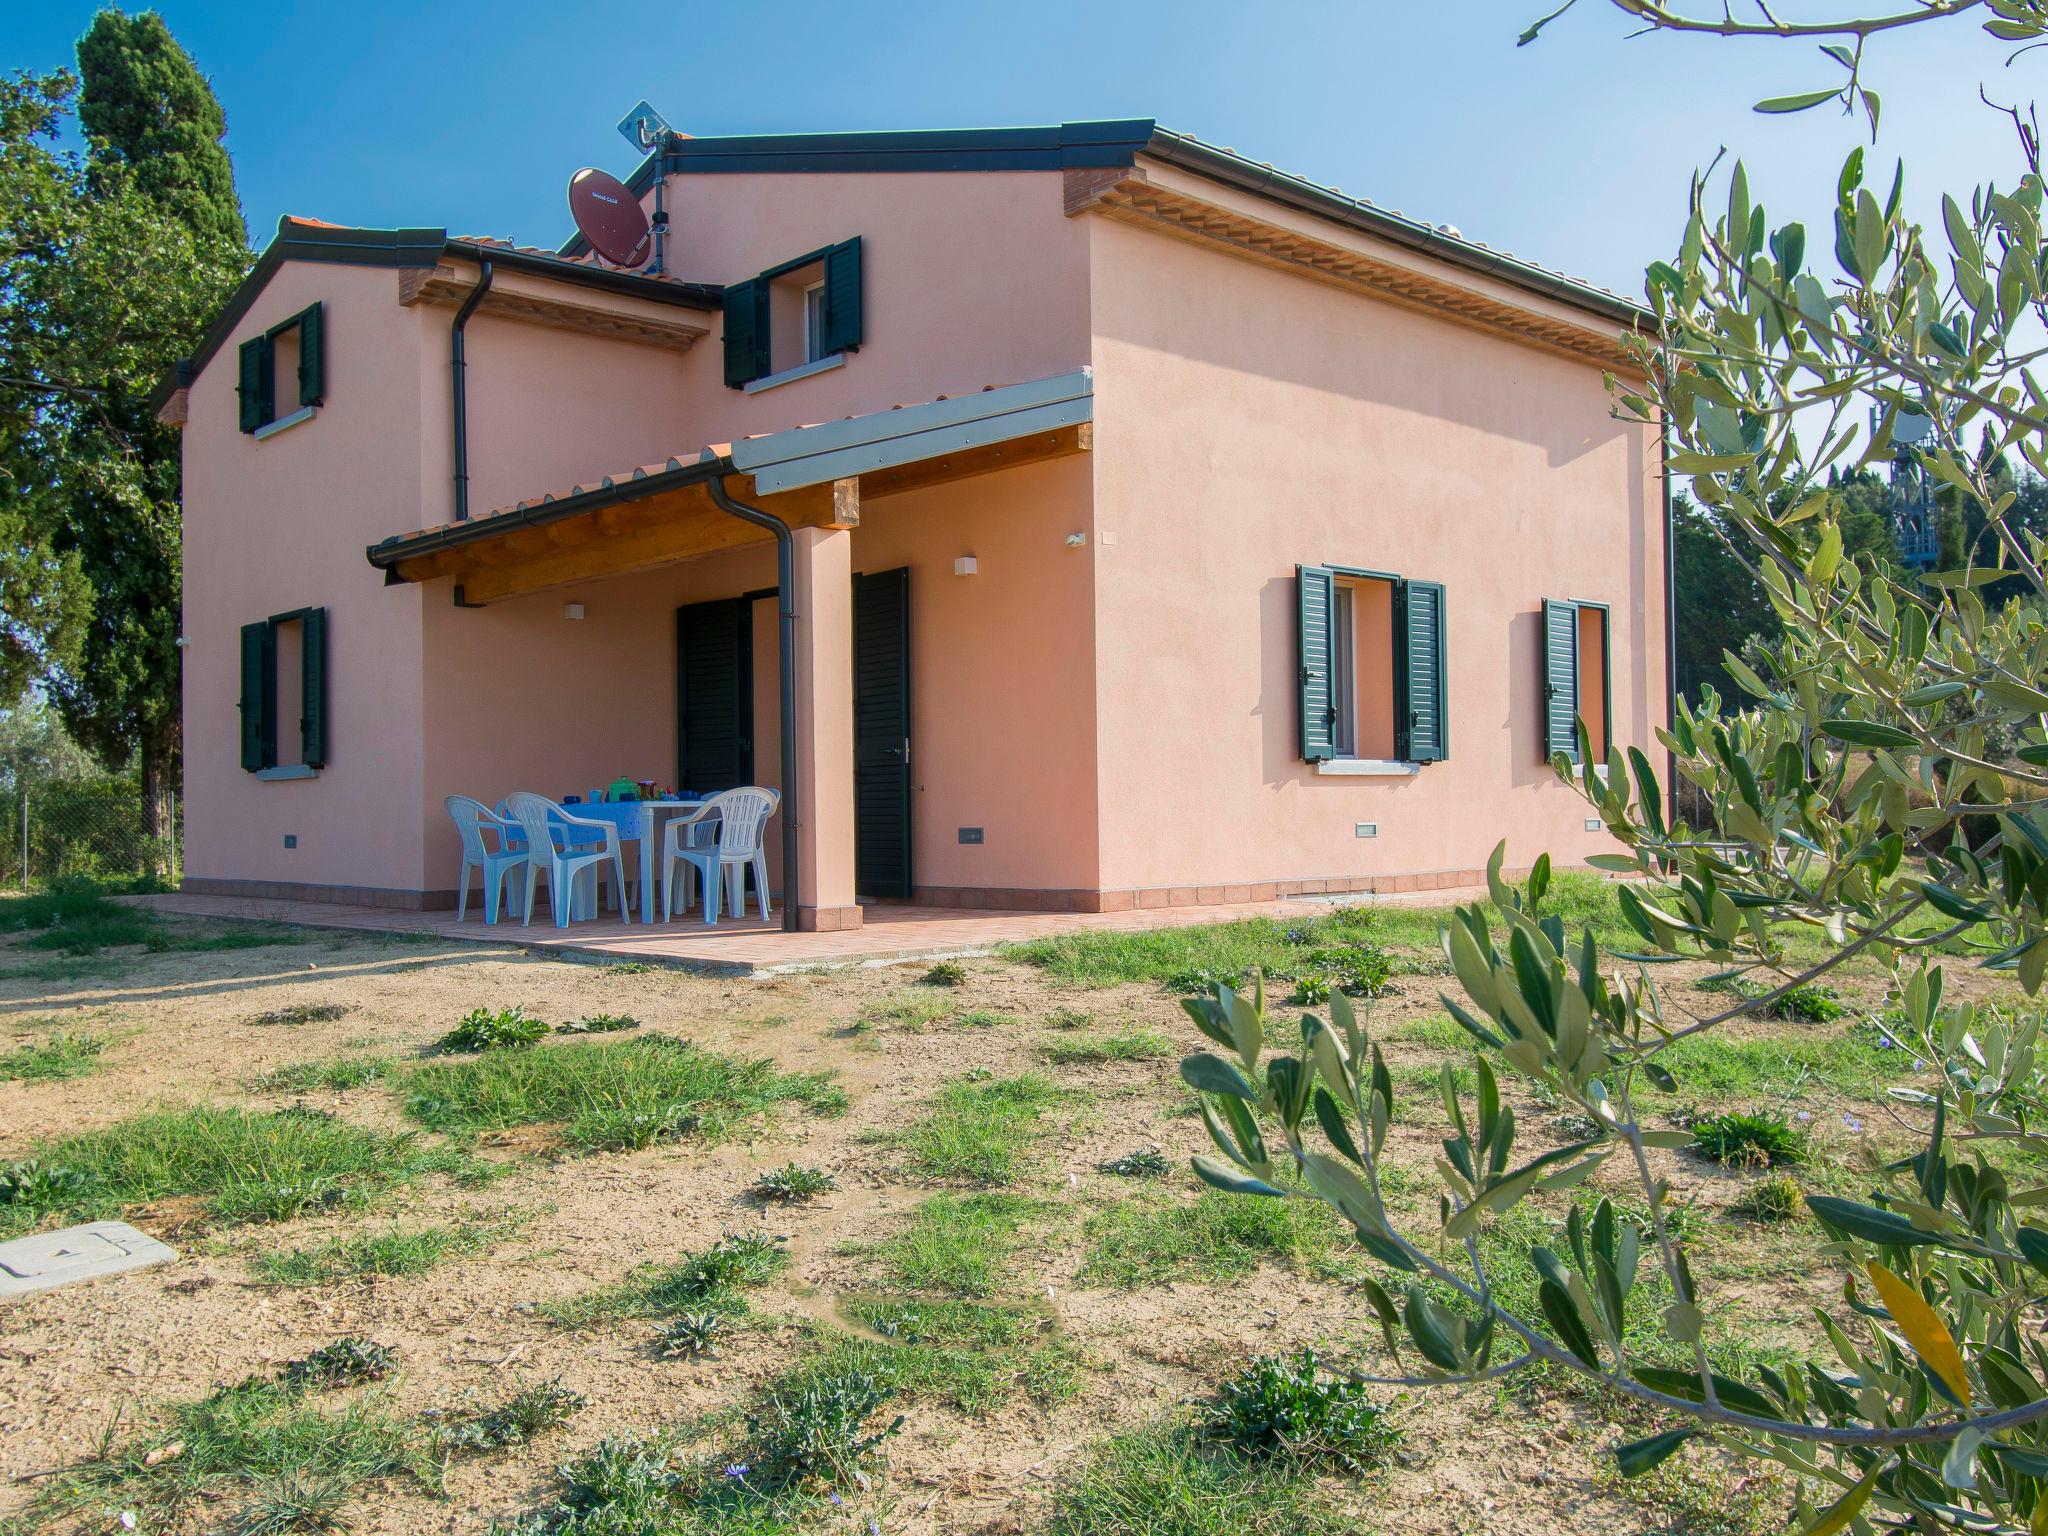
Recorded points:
965,566
572,610
1076,540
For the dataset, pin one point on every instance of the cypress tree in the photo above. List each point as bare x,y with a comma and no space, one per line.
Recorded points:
148,111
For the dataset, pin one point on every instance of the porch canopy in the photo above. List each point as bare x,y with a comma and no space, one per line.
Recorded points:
809,477
803,488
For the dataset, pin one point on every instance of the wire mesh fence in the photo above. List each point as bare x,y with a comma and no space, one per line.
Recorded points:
86,829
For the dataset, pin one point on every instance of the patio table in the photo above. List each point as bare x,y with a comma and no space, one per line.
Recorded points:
642,819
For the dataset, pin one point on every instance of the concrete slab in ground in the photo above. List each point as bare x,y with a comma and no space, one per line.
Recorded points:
749,946
49,1259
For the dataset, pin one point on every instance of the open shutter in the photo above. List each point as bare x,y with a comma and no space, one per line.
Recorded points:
1421,729
312,359
842,299
259,697
746,332
1315,588
313,687
253,384
1560,679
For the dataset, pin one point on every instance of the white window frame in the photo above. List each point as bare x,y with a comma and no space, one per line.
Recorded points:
1343,672
814,322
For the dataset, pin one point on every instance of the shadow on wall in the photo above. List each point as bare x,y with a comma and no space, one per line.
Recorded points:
1524,724
1361,350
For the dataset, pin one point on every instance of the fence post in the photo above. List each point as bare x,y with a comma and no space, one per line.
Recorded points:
24,834
174,839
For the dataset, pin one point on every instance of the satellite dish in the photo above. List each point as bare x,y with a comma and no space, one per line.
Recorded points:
610,217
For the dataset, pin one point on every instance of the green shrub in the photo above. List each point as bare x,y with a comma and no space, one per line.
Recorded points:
818,1430
712,1278
344,1363
55,1060
947,973
302,1013
1292,1405
598,1024
793,1183
528,1413
693,1335
1146,1163
1807,1004
1748,1139
1775,1197
482,1029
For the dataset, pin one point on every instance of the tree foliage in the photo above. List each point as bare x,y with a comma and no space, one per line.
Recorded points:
114,263
1885,795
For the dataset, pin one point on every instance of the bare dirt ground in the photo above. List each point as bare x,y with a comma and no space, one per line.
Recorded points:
179,1031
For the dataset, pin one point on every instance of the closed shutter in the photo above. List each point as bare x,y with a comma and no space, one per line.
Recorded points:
312,359
253,384
1560,679
746,332
881,734
842,299
313,687
1315,590
1421,728
715,695
259,697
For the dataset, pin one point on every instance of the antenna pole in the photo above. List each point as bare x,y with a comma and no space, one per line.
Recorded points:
660,211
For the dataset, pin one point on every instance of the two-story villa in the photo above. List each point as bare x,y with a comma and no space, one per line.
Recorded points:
1153,527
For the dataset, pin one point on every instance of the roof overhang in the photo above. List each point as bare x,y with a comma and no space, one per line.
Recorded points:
414,250
1116,144
818,476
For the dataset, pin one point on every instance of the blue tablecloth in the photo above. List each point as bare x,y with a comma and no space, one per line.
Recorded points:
623,814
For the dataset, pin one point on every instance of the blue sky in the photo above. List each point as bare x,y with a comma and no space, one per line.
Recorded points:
1574,152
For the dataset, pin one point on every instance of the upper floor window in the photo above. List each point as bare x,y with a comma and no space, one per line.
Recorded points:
794,316
293,350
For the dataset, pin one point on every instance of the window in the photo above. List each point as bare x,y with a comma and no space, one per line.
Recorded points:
800,316
1372,667
284,676
294,350
1577,682
814,322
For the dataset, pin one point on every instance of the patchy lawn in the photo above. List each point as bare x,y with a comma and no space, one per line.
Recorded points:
548,1285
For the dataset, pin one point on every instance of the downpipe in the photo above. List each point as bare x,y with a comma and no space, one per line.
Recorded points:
460,363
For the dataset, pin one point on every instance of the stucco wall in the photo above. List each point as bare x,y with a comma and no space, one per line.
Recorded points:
281,524
1248,420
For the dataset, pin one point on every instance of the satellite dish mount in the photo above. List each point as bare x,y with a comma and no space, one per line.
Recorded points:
647,131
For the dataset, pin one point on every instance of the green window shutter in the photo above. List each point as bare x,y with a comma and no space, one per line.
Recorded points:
1560,679
259,697
746,332
842,298
253,384
1421,726
1315,591
312,358
313,689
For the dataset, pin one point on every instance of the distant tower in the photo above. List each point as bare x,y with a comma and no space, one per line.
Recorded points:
1912,491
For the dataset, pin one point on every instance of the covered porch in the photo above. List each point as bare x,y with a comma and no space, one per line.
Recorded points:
790,645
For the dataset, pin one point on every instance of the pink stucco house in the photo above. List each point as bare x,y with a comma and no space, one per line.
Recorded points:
1158,527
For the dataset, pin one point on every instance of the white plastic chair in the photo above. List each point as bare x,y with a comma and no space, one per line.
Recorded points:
539,818
689,848
742,813
476,824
